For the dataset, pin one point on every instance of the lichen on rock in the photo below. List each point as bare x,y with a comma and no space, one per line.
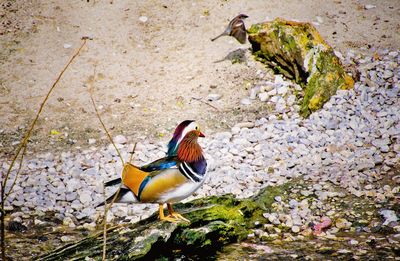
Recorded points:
298,51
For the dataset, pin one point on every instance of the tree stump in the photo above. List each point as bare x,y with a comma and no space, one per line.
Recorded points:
298,51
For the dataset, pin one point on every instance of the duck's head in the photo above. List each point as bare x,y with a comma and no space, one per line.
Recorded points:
188,129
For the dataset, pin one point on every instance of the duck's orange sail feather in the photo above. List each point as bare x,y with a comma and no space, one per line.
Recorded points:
132,177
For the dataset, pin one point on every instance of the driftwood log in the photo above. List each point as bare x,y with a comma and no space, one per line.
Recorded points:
215,222
298,51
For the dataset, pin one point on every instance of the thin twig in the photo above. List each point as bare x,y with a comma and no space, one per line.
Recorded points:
24,144
106,207
18,171
132,152
212,106
105,129
28,134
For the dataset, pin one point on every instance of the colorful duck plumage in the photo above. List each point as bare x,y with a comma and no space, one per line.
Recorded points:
180,131
169,179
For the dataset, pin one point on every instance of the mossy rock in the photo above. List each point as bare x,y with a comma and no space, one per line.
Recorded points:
298,51
215,222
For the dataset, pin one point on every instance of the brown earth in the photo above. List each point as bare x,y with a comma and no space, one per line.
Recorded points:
150,75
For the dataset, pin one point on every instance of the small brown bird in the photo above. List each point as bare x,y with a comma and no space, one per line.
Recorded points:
236,28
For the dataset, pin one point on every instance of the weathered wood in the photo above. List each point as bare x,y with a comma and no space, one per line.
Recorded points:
215,222
298,51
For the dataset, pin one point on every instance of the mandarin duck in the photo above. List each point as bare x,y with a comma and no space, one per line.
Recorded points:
166,180
235,28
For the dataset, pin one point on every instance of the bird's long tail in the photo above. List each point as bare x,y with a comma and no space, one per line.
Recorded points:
125,195
130,182
113,182
213,39
121,193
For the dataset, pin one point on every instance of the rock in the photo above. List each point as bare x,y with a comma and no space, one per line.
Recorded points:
319,19
245,125
120,139
71,196
283,90
9,208
295,229
306,193
245,101
293,203
214,97
368,7
85,197
121,211
263,96
67,221
342,223
253,92
273,218
353,242
67,238
73,184
291,100
18,203
90,172
143,19
380,142
369,186
389,216
89,226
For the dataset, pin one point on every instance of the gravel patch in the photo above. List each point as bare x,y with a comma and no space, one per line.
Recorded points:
349,147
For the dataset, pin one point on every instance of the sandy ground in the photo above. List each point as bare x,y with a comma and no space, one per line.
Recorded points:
151,74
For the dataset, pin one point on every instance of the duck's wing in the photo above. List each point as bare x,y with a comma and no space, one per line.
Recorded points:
240,33
153,178
177,182
160,164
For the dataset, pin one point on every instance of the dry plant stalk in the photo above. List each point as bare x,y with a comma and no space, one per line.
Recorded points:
206,103
22,147
107,206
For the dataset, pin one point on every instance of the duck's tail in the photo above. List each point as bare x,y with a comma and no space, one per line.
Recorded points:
124,195
113,182
130,182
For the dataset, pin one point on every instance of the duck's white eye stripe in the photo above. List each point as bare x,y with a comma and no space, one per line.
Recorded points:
186,130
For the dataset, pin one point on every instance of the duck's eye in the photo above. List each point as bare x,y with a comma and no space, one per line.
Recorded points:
197,128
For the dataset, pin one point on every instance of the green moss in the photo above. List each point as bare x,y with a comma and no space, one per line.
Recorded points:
290,43
143,247
215,222
267,196
195,237
216,232
327,77
255,28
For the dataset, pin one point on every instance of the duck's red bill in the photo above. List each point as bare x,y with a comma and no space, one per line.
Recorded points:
201,134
